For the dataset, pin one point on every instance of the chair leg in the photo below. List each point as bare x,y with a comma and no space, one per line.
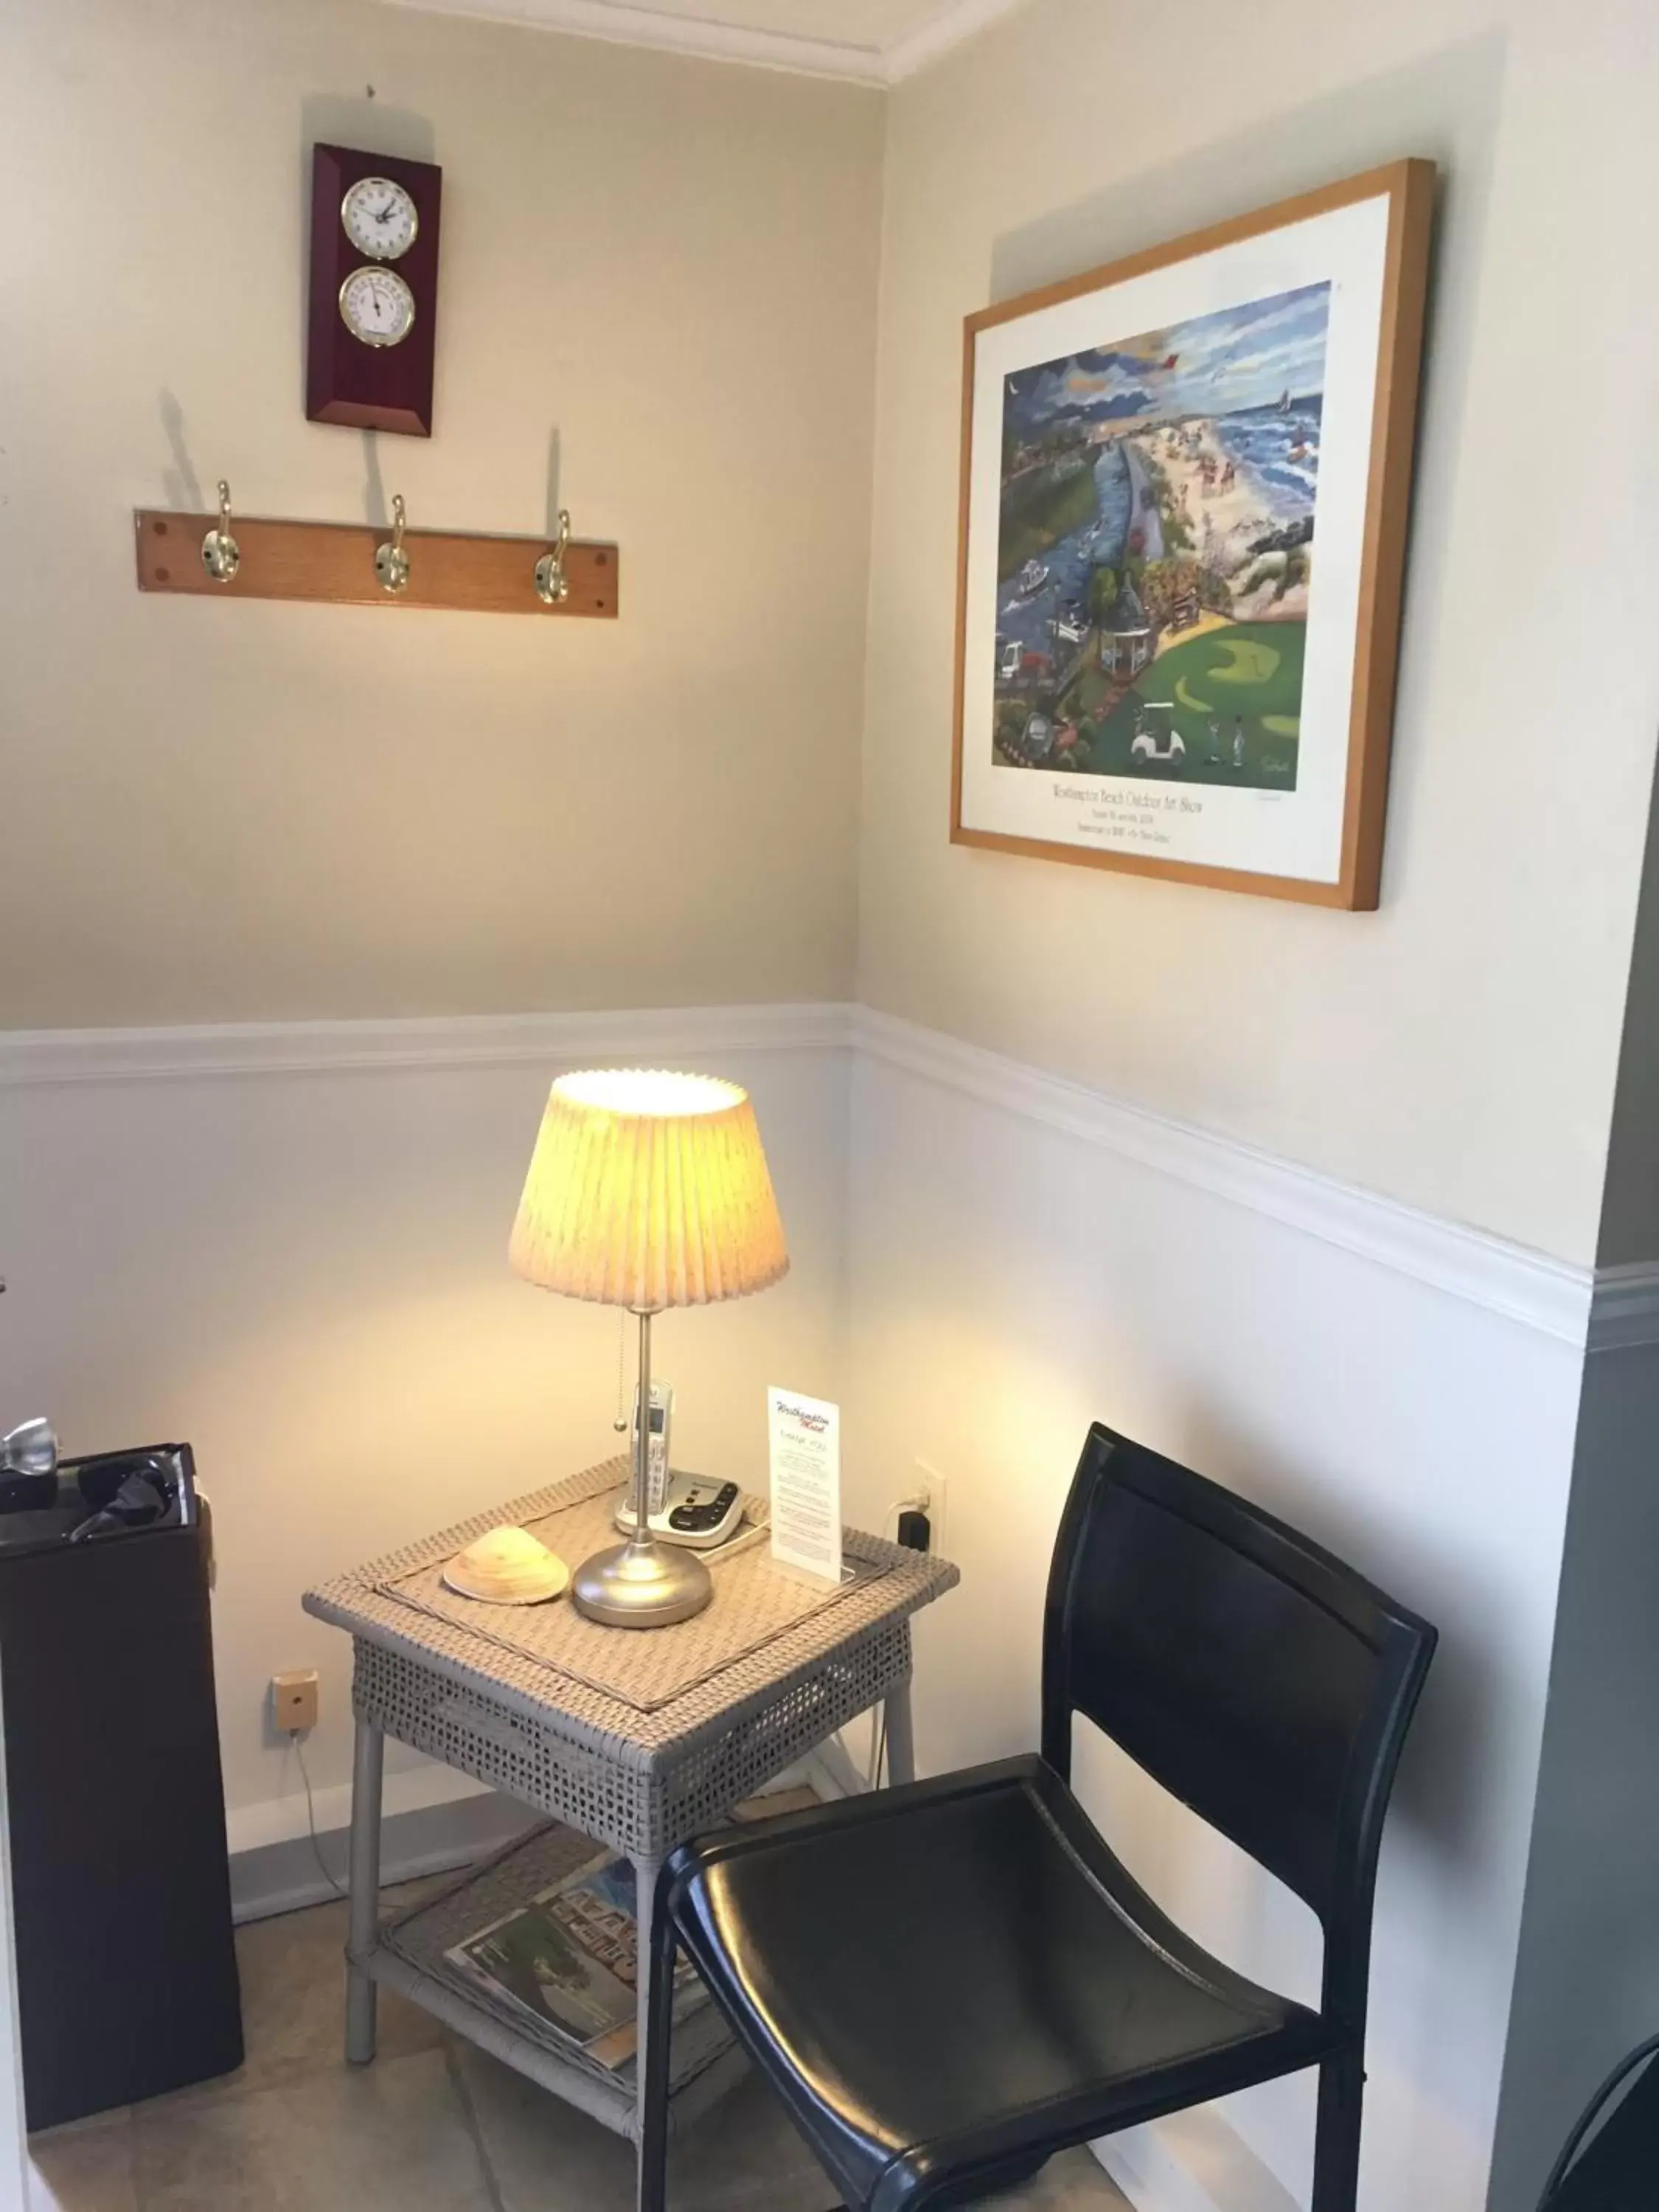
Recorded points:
1336,2144
655,2057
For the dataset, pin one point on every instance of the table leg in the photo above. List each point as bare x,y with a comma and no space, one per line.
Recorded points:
367,1763
645,1901
901,1736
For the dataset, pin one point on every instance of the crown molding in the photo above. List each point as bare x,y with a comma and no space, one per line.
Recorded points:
626,26
619,23
953,26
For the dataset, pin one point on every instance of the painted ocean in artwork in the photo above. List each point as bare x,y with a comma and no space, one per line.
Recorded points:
1155,551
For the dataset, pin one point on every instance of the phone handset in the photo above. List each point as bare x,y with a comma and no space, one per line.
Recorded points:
656,1447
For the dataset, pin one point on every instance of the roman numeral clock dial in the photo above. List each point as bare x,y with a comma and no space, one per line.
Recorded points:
370,353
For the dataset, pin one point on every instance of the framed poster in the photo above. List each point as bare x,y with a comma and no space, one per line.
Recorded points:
1185,482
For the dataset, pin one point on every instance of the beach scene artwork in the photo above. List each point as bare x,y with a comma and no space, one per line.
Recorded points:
1156,553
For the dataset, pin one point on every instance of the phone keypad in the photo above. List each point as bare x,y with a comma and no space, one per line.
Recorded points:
703,1508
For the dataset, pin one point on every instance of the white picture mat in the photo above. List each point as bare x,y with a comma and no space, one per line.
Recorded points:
1295,834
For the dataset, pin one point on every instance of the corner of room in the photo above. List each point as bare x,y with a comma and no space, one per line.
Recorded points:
921,669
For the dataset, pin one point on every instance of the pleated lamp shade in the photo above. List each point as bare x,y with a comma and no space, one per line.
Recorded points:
648,1190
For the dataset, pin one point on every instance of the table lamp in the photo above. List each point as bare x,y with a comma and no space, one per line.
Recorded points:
646,1190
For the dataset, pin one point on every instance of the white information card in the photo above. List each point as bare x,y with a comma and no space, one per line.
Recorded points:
805,1436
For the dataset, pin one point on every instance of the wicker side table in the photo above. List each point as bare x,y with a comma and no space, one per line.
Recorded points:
639,1781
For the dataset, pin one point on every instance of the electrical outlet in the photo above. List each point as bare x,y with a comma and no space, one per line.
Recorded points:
294,1700
932,1485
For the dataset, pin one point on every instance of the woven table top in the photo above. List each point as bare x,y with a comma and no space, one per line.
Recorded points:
644,1694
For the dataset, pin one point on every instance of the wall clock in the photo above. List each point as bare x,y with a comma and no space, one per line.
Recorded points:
374,291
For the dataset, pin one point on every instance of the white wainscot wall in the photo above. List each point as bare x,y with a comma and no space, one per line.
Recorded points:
289,1246
1027,1257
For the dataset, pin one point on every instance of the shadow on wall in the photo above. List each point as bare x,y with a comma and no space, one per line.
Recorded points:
181,484
1442,1783
1586,1981
1441,1820
1446,108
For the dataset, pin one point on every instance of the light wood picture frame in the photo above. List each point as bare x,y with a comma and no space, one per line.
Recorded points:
1186,481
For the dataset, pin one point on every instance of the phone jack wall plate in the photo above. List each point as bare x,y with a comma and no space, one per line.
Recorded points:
294,1700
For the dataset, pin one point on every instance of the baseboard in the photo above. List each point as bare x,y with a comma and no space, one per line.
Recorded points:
1192,2162
432,1820
283,1876
289,1817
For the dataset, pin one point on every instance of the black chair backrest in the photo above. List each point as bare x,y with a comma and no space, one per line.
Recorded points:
1260,1680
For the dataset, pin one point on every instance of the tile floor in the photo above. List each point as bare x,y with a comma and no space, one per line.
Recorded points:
432,2126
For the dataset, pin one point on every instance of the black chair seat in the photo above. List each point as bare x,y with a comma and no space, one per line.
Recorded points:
945,1980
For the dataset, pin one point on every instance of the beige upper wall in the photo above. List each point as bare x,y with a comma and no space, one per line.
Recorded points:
1457,1050
217,813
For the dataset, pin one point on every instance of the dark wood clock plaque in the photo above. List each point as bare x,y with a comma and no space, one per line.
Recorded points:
359,384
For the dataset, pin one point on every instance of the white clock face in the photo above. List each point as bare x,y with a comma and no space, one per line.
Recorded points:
377,306
379,218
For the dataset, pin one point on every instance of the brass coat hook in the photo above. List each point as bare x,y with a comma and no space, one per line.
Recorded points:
552,585
391,561
221,557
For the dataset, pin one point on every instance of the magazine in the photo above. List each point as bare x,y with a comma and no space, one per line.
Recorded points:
774,1803
567,1961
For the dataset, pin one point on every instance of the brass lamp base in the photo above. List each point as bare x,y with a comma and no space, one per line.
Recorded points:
641,1585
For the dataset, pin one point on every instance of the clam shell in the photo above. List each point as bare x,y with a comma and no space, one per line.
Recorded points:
508,1566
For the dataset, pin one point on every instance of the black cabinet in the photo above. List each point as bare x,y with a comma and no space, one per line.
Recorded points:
126,1969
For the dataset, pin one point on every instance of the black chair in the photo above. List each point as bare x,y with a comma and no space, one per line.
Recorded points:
947,1983
1609,2164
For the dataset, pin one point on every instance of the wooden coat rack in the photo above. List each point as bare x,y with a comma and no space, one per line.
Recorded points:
352,564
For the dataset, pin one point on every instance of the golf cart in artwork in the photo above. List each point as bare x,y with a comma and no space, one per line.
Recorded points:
1155,737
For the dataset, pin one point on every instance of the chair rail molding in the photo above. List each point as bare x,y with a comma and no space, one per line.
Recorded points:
1614,1309
1552,1295
34,1059
1625,1311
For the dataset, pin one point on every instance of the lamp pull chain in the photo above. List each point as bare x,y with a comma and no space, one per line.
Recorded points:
620,1424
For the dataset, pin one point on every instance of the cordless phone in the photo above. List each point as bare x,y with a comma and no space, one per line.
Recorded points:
656,1447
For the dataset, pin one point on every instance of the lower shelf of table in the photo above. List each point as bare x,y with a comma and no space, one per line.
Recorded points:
409,1957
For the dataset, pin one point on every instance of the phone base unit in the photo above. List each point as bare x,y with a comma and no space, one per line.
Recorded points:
696,1512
